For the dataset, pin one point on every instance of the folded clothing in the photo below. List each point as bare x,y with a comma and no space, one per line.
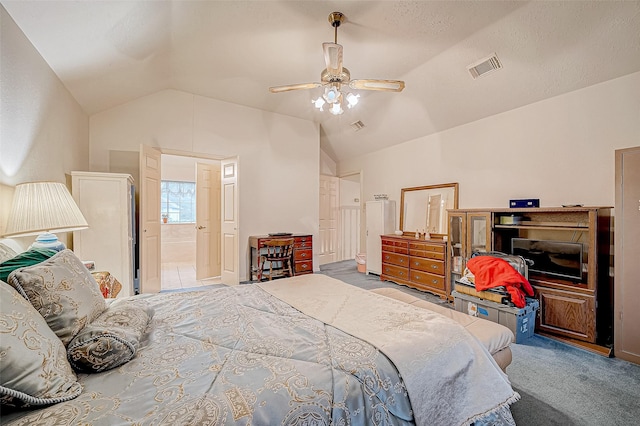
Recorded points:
490,272
28,258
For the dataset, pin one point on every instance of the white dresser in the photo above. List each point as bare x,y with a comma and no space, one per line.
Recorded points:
380,220
107,202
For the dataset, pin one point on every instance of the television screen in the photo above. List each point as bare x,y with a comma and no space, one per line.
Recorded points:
558,258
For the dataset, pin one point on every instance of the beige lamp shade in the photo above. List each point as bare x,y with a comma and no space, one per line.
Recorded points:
40,207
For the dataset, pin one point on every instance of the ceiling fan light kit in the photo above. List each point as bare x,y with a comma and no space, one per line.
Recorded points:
335,78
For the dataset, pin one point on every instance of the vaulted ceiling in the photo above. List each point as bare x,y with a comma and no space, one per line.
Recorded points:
111,52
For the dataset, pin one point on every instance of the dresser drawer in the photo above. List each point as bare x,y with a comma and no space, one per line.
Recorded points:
427,265
427,279
395,246
392,271
395,249
395,259
302,242
305,267
302,254
427,246
430,250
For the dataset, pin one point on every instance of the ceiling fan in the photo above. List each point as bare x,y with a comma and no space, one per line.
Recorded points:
336,77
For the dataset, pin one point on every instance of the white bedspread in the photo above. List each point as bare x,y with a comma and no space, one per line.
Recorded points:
450,376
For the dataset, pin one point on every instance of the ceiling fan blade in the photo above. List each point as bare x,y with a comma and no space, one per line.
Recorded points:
382,85
333,58
288,87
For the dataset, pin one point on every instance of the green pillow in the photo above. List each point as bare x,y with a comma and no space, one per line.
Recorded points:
27,258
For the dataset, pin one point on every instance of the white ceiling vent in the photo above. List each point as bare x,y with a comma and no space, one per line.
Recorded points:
357,125
484,66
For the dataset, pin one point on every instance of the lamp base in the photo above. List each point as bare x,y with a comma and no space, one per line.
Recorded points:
48,241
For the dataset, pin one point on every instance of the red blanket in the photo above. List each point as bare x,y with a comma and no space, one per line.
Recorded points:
490,272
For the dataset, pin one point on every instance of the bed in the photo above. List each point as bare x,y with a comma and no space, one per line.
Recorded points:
303,350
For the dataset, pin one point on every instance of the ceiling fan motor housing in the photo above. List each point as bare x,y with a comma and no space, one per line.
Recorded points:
344,76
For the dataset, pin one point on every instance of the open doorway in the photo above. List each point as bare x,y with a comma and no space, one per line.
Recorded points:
189,231
349,214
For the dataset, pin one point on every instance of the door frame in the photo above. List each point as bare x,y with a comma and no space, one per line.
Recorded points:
363,239
163,151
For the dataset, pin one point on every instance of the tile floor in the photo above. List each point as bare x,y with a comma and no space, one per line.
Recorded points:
177,276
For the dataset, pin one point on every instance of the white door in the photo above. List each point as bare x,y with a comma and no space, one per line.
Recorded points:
328,244
208,222
150,279
230,221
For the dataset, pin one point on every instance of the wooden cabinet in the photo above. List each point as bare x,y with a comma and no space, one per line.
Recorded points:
302,254
627,248
574,289
420,264
106,201
380,220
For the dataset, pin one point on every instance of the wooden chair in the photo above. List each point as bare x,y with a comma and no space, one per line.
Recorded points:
279,250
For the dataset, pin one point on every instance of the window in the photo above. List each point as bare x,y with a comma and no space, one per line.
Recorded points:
178,201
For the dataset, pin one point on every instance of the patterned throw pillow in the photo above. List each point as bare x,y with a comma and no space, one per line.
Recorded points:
63,291
111,340
34,368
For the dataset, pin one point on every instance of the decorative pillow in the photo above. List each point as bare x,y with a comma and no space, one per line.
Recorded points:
33,361
6,252
63,291
111,340
109,285
27,258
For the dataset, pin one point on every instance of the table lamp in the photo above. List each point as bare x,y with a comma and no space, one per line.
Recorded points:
42,209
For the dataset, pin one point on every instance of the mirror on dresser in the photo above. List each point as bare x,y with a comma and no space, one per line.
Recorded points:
424,208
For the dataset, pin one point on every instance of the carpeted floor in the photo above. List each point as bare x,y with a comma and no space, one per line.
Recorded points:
559,384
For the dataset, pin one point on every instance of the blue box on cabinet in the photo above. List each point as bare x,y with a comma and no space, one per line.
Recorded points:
521,321
528,202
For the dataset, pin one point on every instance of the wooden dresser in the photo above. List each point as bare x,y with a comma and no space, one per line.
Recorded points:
302,254
420,264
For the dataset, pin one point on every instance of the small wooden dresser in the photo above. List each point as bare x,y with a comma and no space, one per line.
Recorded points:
420,264
302,254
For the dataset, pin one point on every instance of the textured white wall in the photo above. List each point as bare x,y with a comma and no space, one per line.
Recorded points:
560,150
278,155
43,131
44,134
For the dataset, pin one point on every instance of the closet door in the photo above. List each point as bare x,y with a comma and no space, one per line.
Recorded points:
627,252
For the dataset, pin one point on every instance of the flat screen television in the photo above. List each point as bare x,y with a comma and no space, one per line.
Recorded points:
556,258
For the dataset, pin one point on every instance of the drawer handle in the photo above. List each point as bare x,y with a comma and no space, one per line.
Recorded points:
386,258
401,260
434,266
303,255
305,266
416,263
417,277
434,281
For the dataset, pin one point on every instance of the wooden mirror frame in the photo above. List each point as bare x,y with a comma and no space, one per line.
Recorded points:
420,195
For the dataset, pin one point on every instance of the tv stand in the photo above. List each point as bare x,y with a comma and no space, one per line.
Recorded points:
576,310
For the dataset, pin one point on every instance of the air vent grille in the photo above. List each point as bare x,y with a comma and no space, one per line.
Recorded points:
484,66
357,125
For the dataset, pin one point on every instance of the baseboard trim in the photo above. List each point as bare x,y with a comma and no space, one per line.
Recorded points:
591,347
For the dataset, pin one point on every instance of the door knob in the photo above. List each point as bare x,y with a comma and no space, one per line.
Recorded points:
201,227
